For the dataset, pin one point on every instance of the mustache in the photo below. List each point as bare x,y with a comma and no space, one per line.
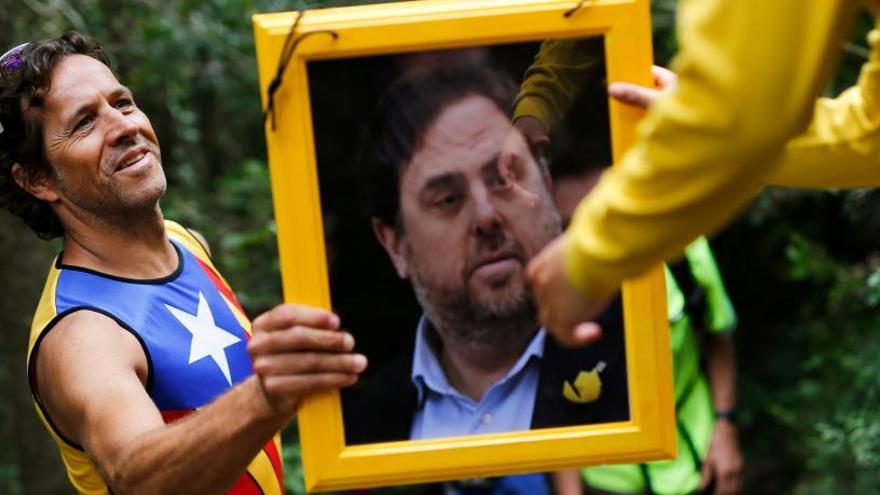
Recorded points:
491,249
118,154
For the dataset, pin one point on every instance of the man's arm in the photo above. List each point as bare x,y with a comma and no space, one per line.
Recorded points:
555,79
840,147
91,374
550,86
749,72
567,483
724,461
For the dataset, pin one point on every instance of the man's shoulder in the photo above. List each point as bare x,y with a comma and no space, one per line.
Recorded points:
85,328
562,365
191,238
85,336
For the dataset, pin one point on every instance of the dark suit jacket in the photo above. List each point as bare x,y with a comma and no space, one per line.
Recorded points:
380,407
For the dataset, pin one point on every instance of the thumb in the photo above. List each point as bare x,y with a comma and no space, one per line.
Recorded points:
633,94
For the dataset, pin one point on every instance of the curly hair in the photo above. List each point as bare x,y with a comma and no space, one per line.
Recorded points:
23,85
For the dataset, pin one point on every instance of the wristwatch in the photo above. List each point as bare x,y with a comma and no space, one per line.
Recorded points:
728,415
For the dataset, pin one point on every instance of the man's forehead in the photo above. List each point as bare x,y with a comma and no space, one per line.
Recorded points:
464,136
77,77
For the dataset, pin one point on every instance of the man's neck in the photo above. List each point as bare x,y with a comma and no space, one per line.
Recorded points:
139,249
473,368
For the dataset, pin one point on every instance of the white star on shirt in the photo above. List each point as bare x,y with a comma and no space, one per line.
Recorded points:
207,338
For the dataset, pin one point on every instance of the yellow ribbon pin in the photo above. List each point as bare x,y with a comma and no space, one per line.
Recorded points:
587,386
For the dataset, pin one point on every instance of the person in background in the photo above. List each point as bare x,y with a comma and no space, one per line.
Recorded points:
700,313
701,320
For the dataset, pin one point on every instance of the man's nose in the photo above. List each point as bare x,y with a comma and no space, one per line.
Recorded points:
486,215
123,129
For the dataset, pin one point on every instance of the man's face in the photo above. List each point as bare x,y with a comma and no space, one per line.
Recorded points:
474,209
102,149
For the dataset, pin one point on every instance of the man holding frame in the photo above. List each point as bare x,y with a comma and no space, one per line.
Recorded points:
143,367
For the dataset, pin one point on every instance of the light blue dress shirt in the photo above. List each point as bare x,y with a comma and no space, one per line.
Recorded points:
445,412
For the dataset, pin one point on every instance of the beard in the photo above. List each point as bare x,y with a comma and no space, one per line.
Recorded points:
114,204
506,316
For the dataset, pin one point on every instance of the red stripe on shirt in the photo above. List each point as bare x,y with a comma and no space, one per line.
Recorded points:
245,485
218,283
272,452
173,415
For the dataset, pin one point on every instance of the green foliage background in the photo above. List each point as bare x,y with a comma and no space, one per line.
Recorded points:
803,268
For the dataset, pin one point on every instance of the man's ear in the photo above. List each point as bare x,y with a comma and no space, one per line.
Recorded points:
392,240
41,188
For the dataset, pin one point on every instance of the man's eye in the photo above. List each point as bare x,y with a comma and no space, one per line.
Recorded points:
448,200
83,122
124,103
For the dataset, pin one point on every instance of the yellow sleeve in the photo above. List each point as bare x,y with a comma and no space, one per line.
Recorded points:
555,79
841,147
749,73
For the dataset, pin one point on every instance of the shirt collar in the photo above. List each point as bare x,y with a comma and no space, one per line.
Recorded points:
428,374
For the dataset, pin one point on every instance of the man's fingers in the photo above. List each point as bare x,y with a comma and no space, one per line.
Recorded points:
309,362
586,333
298,385
288,315
299,339
580,335
664,78
632,94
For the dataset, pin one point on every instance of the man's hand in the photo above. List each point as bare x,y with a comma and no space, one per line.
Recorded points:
534,132
640,96
563,311
724,461
299,350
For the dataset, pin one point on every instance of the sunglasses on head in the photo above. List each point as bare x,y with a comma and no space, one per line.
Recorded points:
10,62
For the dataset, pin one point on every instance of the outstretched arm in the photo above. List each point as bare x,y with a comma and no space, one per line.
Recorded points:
839,149
749,71
91,374
550,86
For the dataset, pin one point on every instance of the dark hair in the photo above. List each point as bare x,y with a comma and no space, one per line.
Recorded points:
403,115
23,85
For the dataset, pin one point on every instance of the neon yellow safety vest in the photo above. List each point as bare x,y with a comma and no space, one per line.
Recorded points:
694,411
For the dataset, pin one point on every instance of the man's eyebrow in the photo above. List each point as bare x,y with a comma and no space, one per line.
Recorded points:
441,181
85,107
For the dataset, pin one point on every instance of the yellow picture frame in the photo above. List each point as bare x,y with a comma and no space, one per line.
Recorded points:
437,24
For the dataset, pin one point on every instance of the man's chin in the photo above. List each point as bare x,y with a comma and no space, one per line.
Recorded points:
501,303
486,283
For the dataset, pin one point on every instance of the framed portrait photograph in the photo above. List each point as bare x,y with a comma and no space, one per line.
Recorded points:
421,153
